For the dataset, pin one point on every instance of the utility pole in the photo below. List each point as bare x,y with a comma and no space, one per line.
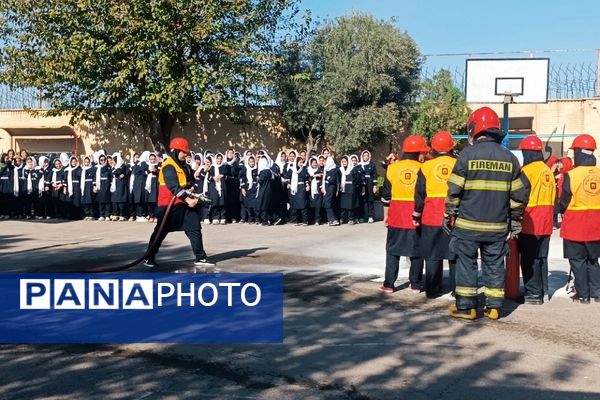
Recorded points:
597,73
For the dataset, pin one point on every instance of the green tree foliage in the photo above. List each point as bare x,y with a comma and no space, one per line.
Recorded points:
351,83
151,61
442,106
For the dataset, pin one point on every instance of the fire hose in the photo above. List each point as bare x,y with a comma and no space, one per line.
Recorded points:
201,199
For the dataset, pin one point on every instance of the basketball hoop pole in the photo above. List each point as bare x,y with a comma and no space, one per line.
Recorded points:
507,100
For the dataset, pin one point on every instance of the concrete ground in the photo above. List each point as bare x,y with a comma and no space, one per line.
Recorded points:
343,338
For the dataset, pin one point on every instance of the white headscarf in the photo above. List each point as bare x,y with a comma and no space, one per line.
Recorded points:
249,171
83,169
32,168
205,184
295,175
217,171
329,165
96,156
364,163
263,163
55,170
42,180
118,164
69,170
99,170
314,185
16,172
64,159
280,163
345,172
150,175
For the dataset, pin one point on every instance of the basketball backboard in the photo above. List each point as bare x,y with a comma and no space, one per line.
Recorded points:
489,80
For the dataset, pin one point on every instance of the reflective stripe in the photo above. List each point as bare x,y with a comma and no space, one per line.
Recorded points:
515,204
402,199
496,186
493,292
466,291
453,201
481,226
584,208
436,196
517,184
457,180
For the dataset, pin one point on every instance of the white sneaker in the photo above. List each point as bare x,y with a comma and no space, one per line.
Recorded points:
223,222
124,219
131,219
101,219
215,222
141,219
207,221
371,220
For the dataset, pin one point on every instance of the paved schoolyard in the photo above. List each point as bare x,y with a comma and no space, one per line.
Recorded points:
343,338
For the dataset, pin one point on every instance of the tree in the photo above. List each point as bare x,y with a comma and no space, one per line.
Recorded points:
352,82
150,61
442,106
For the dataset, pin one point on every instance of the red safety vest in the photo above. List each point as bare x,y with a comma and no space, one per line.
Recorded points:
581,221
538,217
403,177
164,194
436,172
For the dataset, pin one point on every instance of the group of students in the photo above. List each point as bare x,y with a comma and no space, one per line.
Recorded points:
249,188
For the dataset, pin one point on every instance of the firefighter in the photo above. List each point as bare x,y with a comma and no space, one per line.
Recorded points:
485,203
432,187
580,203
538,219
398,197
176,179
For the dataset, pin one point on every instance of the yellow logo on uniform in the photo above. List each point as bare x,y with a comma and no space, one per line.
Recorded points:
407,177
591,185
443,171
547,181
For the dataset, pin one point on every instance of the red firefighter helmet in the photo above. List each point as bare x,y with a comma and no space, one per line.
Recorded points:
178,143
531,142
414,144
481,120
585,142
442,142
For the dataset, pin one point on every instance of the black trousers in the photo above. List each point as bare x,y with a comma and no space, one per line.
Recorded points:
88,210
299,216
583,258
347,215
369,209
119,209
218,213
104,210
330,214
492,264
195,238
152,209
392,266
434,270
534,264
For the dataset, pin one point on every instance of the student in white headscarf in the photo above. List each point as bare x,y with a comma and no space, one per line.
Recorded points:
44,202
88,174
57,188
299,189
329,189
217,189
102,184
370,173
249,188
119,188
73,188
264,195
139,172
151,186
315,173
28,191
350,188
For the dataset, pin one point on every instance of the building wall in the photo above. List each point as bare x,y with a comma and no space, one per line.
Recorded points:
568,116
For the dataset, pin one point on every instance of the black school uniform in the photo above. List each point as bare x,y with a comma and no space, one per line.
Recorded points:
264,198
57,177
330,185
279,194
251,188
350,194
29,191
315,196
102,183
73,179
370,173
232,182
299,197
87,190
200,187
5,189
43,206
138,185
119,190
217,193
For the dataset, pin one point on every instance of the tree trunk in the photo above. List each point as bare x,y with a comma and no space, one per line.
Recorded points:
161,126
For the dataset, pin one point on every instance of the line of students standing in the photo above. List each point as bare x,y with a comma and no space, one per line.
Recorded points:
250,188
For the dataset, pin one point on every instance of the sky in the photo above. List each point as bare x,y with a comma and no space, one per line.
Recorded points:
463,26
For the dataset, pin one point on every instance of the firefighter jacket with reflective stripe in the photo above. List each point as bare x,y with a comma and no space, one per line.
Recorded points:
581,222
538,217
399,193
167,189
485,191
432,188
